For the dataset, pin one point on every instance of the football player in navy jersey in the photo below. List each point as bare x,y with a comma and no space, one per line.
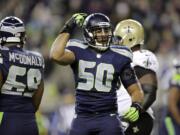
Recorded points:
97,69
171,122
130,33
21,80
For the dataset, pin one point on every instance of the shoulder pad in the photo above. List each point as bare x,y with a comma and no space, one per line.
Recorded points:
122,50
3,48
34,53
37,54
76,43
145,59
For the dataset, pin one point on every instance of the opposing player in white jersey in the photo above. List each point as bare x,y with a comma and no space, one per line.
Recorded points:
131,33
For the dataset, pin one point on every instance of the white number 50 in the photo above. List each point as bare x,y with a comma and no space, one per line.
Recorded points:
102,80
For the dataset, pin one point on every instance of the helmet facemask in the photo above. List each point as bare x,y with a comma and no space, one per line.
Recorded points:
101,37
98,32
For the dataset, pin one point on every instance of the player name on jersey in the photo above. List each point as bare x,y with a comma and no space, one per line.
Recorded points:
25,59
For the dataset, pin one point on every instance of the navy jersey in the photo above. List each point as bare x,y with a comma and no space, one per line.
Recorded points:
175,82
22,72
97,76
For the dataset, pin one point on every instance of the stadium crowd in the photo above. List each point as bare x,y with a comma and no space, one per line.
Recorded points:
43,20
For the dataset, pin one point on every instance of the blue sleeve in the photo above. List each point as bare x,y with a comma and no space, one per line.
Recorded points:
76,46
128,76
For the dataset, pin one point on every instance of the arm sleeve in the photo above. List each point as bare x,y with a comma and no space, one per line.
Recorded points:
71,47
149,86
149,95
141,71
128,76
76,46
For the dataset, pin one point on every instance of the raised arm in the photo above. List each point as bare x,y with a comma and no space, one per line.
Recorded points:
58,52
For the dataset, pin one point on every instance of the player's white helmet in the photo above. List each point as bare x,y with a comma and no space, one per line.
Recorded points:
12,30
130,32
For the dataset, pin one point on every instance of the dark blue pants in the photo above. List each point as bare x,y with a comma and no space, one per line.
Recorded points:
96,125
18,124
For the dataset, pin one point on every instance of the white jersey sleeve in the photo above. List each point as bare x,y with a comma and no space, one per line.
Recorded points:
142,58
124,100
145,59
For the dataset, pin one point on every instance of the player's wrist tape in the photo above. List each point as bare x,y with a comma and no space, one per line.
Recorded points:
76,20
137,106
69,26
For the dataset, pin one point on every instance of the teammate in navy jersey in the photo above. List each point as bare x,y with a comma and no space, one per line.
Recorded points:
97,69
21,80
130,33
171,122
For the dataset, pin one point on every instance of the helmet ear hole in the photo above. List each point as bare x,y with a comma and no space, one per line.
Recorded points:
130,39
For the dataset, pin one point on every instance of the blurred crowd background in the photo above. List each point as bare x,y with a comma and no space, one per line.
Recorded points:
43,20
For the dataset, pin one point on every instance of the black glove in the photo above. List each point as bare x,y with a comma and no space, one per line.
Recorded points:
76,20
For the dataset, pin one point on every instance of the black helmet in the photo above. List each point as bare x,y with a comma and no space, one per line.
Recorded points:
12,30
92,24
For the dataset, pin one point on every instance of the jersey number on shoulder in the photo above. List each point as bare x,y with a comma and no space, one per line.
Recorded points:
101,81
33,77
